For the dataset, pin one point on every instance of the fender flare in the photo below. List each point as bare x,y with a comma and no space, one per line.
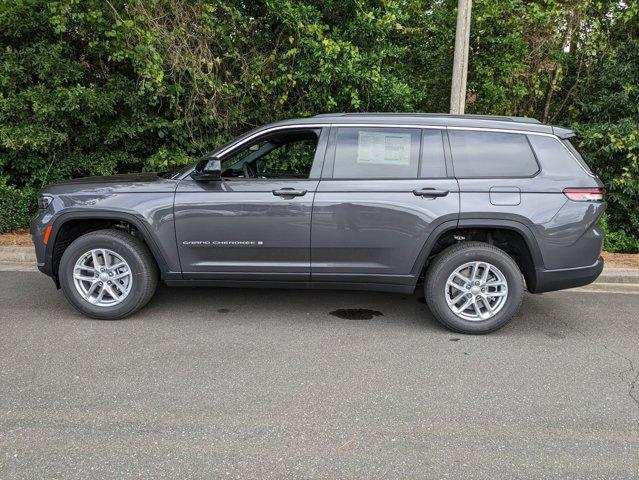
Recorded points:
518,227
138,223
486,223
434,235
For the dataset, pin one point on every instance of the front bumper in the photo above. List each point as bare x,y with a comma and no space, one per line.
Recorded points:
551,280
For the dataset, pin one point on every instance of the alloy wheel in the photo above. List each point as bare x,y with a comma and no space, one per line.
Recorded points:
476,291
102,277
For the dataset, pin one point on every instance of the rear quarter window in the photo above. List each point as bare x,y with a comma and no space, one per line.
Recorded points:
556,157
478,154
575,153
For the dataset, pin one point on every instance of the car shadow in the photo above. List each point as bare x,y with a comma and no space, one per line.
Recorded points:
539,316
299,305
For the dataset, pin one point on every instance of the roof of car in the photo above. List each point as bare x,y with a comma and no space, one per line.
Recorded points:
434,119
501,118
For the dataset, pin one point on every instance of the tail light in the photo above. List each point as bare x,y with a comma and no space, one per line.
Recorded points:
585,194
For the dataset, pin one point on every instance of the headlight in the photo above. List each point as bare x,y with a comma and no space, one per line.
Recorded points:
44,201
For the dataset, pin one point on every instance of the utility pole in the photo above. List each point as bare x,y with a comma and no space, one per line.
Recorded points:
460,61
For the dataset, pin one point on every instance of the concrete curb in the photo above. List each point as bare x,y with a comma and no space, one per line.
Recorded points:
619,275
17,254
26,255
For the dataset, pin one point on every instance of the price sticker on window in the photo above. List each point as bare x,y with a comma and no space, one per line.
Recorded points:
383,148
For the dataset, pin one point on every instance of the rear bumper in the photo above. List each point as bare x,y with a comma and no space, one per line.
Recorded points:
550,280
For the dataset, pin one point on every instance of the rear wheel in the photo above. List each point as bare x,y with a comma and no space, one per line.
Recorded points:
474,287
108,274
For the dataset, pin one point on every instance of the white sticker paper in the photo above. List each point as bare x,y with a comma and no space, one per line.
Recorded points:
384,148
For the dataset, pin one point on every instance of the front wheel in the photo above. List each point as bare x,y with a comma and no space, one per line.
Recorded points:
474,287
108,274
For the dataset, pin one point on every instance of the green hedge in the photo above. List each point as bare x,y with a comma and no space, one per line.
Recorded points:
17,206
618,241
92,87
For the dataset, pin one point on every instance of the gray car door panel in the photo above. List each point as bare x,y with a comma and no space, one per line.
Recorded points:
372,229
375,230
239,228
251,229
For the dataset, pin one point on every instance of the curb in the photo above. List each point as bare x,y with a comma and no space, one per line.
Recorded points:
26,255
619,275
17,254
602,287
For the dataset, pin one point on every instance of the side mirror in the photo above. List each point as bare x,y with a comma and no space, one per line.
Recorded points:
208,169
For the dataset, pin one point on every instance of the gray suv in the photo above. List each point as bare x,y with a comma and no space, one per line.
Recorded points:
477,207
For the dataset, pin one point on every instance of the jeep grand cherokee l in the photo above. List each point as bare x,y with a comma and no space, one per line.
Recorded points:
478,207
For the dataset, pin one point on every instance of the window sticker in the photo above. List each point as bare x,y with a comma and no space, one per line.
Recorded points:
384,148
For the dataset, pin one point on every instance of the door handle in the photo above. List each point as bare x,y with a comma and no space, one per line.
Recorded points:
430,192
289,192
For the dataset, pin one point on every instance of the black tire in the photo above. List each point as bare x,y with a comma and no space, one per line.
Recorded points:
131,249
456,256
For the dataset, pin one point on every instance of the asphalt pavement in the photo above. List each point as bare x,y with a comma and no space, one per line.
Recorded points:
230,383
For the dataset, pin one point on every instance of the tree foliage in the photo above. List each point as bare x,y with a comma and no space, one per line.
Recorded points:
105,86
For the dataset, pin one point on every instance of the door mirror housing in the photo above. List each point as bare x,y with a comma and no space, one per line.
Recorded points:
208,169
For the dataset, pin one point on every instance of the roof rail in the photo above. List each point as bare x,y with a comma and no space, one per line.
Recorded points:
502,118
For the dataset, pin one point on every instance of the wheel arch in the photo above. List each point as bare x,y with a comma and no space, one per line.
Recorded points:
528,259
81,222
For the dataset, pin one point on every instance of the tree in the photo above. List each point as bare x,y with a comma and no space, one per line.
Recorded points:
99,87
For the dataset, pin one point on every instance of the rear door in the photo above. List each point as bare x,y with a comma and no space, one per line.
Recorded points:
254,224
383,191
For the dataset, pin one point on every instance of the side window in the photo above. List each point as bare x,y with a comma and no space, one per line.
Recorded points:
491,154
288,155
293,158
376,153
556,158
577,154
433,160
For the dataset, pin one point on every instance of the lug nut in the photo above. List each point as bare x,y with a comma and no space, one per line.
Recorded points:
476,283
477,297
468,287
469,295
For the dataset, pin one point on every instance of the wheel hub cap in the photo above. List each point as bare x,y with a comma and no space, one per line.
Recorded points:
102,277
476,291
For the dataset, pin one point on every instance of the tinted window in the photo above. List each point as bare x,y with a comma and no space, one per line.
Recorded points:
294,158
376,153
491,154
433,160
282,156
554,157
571,146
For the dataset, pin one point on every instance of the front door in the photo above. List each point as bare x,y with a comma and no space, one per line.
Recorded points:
255,223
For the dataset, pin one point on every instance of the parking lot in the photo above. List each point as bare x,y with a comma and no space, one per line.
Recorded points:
229,383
